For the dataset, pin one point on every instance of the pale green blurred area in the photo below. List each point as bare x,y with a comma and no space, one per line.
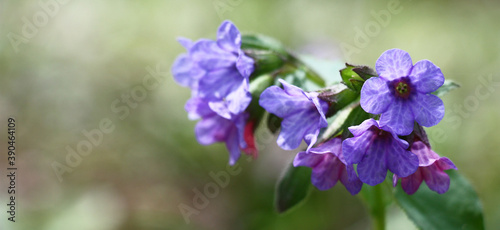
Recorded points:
66,77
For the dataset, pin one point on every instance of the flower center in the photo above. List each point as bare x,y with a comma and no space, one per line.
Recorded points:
402,87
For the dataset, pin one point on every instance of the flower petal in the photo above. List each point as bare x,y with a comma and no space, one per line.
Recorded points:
186,42
358,130
311,136
425,155
297,126
209,56
185,71
350,180
310,160
428,109
229,37
326,174
321,107
212,129
197,108
399,117
411,183
333,146
232,145
355,148
245,64
400,161
240,121
239,99
372,170
217,84
280,103
375,96
291,89
436,179
220,107
444,164
393,64
426,76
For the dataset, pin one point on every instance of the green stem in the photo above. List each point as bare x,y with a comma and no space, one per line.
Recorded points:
310,74
378,211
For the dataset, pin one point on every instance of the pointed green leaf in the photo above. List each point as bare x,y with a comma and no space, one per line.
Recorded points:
459,208
446,87
356,117
292,188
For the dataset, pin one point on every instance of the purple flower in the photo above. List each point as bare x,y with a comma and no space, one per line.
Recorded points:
431,170
214,128
303,114
375,149
402,92
328,166
217,71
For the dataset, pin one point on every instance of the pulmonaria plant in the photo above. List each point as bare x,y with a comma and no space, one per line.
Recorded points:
236,79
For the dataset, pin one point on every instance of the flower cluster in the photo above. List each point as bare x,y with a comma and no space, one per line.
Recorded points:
218,73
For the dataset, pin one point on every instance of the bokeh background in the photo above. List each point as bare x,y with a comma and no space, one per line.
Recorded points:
67,76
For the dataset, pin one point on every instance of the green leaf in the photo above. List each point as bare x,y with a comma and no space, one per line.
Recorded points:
356,117
292,188
262,42
459,208
448,86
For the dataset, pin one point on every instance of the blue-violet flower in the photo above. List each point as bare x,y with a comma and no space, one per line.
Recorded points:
303,114
328,166
431,170
401,93
217,71
214,128
375,149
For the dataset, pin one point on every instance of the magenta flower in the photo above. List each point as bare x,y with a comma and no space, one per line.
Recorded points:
328,166
303,114
214,128
375,149
431,170
401,93
217,71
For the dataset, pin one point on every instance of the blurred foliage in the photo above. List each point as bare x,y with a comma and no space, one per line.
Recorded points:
66,78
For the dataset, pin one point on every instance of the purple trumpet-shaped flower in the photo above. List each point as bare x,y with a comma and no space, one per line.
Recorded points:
375,149
328,166
303,114
217,71
401,93
431,170
214,128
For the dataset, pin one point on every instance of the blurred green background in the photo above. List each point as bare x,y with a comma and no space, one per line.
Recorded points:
83,57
